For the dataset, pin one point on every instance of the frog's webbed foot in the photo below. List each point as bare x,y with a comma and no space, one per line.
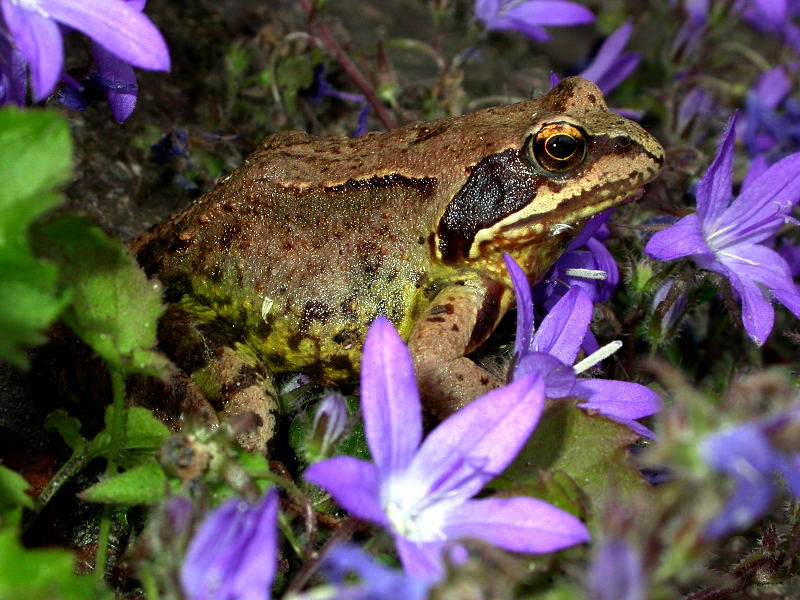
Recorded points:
458,320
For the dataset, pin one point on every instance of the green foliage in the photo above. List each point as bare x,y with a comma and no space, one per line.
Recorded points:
573,456
12,497
35,158
42,574
142,436
114,307
293,74
145,484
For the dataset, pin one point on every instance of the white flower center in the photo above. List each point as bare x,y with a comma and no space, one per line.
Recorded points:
412,513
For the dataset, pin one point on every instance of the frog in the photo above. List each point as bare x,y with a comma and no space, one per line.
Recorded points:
289,259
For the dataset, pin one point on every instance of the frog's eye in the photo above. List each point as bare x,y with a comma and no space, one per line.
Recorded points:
556,147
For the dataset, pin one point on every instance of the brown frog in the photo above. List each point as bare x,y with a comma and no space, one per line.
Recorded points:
287,261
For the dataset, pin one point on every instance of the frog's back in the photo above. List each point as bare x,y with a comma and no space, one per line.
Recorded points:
300,268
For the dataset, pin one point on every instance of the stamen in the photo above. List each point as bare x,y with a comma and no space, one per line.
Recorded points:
586,274
718,232
595,357
744,260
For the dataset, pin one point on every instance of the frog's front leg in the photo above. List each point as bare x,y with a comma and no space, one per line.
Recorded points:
457,321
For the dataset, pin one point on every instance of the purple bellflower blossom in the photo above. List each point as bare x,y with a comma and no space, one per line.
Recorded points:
328,427
616,573
772,117
320,88
530,16
551,350
747,454
233,556
610,66
586,263
422,493
375,581
115,26
726,234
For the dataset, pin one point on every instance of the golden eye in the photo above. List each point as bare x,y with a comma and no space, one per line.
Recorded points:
556,147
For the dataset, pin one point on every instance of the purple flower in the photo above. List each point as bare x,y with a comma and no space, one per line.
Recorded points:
747,455
320,88
375,581
585,263
423,493
616,573
771,126
725,235
610,66
233,555
551,350
693,114
12,73
529,16
330,420
115,25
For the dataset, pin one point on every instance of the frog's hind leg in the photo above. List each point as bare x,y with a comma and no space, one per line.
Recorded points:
227,374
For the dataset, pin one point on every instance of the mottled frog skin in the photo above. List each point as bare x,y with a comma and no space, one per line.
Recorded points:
290,258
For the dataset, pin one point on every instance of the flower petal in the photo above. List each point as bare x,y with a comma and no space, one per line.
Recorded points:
476,443
389,398
758,316
604,261
522,291
761,207
559,379
751,498
518,524
617,572
620,401
258,559
715,191
39,40
766,267
685,238
234,552
562,330
119,78
609,66
423,560
550,12
115,25
353,483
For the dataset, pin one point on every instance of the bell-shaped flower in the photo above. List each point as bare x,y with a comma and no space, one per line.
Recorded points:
115,25
529,16
748,454
726,234
234,553
551,350
586,263
422,491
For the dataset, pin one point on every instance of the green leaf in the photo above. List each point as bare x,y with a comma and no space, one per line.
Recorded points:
42,574
145,484
115,308
12,497
69,428
576,449
35,158
142,437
